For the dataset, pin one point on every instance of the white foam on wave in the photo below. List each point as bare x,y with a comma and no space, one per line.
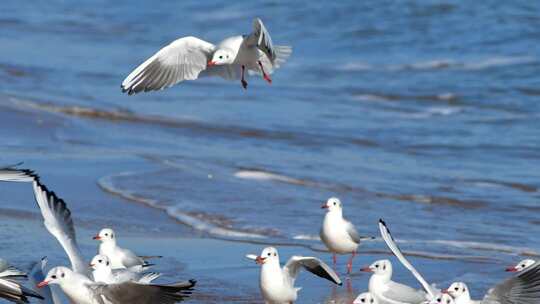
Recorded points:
435,111
307,237
106,183
267,176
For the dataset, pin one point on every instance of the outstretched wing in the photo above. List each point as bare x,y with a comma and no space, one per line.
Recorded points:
8,271
56,215
181,60
523,288
260,38
311,264
130,292
387,237
14,292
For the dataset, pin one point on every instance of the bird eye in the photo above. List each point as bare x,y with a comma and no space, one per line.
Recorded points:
100,261
456,289
371,301
335,203
269,254
523,265
106,234
438,299
363,300
377,266
54,276
220,57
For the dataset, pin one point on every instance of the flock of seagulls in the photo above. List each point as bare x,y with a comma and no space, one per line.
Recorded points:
117,275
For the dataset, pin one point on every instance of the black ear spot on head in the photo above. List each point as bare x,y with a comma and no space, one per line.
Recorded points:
464,289
275,254
63,275
108,263
384,267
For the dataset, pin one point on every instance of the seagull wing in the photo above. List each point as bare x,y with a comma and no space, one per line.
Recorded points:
352,232
14,292
523,288
403,293
56,215
387,237
8,271
181,60
130,292
311,264
260,38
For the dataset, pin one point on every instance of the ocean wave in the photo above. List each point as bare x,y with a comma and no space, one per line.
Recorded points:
269,176
443,63
378,97
194,221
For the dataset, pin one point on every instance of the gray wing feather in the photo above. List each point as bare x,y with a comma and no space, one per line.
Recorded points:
134,293
353,233
183,59
313,265
14,292
260,37
523,288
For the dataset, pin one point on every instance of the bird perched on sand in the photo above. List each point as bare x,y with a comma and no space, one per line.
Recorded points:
338,234
277,284
189,57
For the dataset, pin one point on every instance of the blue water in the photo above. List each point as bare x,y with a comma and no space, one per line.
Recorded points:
424,113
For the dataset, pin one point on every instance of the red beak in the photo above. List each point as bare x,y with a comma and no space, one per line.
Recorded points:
366,269
42,284
444,291
211,63
91,265
511,269
97,237
260,260
324,206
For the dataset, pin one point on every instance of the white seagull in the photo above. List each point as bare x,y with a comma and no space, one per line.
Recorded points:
58,221
10,289
521,265
119,257
81,290
522,288
460,293
103,273
338,234
189,57
366,298
277,284
385,290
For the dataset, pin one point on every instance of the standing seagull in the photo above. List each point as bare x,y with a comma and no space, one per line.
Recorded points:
277,284
187,57
338,234
119,257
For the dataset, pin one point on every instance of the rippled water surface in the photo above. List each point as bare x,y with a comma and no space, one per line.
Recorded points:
424,113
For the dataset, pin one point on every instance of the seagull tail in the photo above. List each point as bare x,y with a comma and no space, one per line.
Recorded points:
283,52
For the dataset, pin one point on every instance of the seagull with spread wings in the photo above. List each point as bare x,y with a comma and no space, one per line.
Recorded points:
189,57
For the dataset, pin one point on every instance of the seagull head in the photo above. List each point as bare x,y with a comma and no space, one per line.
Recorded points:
100,262
221,57
457,289
380,267
268,255
521,265
332,204
105,235
443,298
56,275
365,298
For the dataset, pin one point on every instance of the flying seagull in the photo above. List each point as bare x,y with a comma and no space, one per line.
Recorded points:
189,57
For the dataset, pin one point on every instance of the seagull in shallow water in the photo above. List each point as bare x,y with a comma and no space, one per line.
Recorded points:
521,265
338,234
103,273
189,57
81,290
118,256
522,288
277,284
385,290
